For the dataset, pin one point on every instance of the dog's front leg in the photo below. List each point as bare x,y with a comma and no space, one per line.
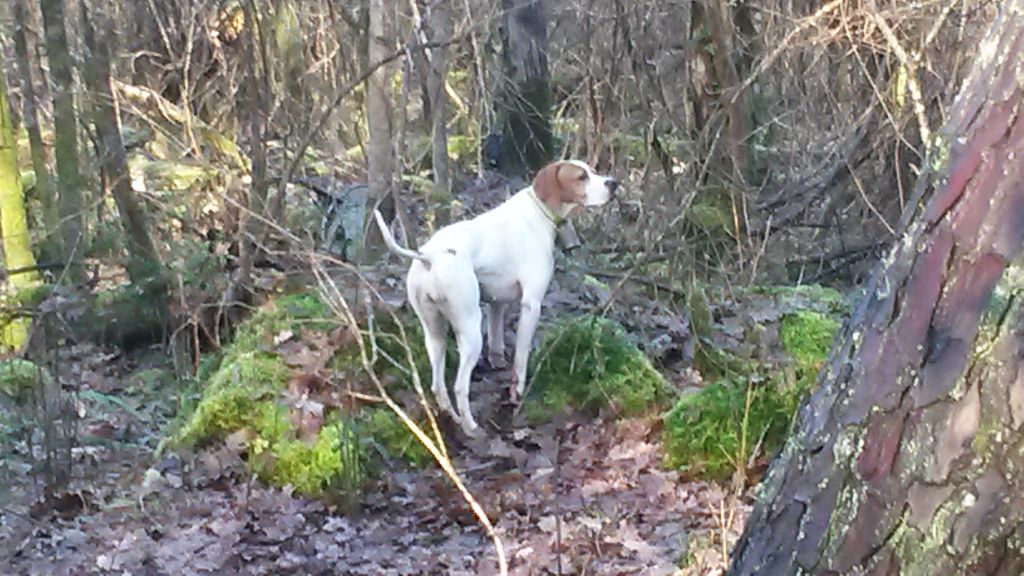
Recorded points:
529,316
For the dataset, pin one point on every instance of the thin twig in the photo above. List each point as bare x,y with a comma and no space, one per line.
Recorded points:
802,25
911,65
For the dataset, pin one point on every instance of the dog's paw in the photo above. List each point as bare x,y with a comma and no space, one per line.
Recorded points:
475,431
514,394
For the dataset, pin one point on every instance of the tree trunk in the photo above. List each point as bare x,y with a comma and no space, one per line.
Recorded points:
65,135
908,457
720,27
50,248
527,142
13,223
380,163
144,267
439,20
251,229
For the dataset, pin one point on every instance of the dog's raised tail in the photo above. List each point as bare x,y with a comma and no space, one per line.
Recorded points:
392,245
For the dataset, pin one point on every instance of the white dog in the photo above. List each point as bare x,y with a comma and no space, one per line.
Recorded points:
503,255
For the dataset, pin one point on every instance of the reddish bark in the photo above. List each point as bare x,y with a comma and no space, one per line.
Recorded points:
908,458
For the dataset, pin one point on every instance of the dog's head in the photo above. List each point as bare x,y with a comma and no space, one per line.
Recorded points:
568,184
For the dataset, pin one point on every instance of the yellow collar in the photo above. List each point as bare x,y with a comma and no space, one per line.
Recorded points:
545,210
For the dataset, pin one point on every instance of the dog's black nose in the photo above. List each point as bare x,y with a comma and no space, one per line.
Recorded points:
612,185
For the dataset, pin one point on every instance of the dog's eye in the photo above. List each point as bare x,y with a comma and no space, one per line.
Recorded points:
583,177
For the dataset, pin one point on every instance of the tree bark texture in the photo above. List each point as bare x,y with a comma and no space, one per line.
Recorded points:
380,164
39,152
909,457
439,18
720,27
527,141
144,259
65,136
251,230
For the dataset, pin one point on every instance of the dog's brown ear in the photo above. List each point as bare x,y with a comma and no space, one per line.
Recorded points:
547,186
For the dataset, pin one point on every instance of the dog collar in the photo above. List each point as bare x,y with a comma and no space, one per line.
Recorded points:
545,210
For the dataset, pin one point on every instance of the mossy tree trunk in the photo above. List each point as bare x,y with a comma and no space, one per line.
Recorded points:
144,266
65,120
909,458
13,223
46,192
527,142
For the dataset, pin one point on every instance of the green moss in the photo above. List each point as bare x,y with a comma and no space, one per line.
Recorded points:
390,434
32,296
463,148
705,432
711,216
332,462
807,335
234,397
588,363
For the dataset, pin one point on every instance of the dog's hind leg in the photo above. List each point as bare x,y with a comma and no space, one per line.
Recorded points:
435,332
470,339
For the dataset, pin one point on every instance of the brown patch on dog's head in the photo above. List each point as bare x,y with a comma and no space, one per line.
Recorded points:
560,183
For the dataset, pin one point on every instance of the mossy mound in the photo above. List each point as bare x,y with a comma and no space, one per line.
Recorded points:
589,364
294,433
235,397
331,463
290,312
716,429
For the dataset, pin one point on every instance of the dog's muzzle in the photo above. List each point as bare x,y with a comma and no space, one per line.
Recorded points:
612,185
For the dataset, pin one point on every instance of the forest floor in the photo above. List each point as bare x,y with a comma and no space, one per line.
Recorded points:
575,496
592,490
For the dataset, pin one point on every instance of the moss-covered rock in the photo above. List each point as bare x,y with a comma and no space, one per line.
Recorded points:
239,394
589,364
246,394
